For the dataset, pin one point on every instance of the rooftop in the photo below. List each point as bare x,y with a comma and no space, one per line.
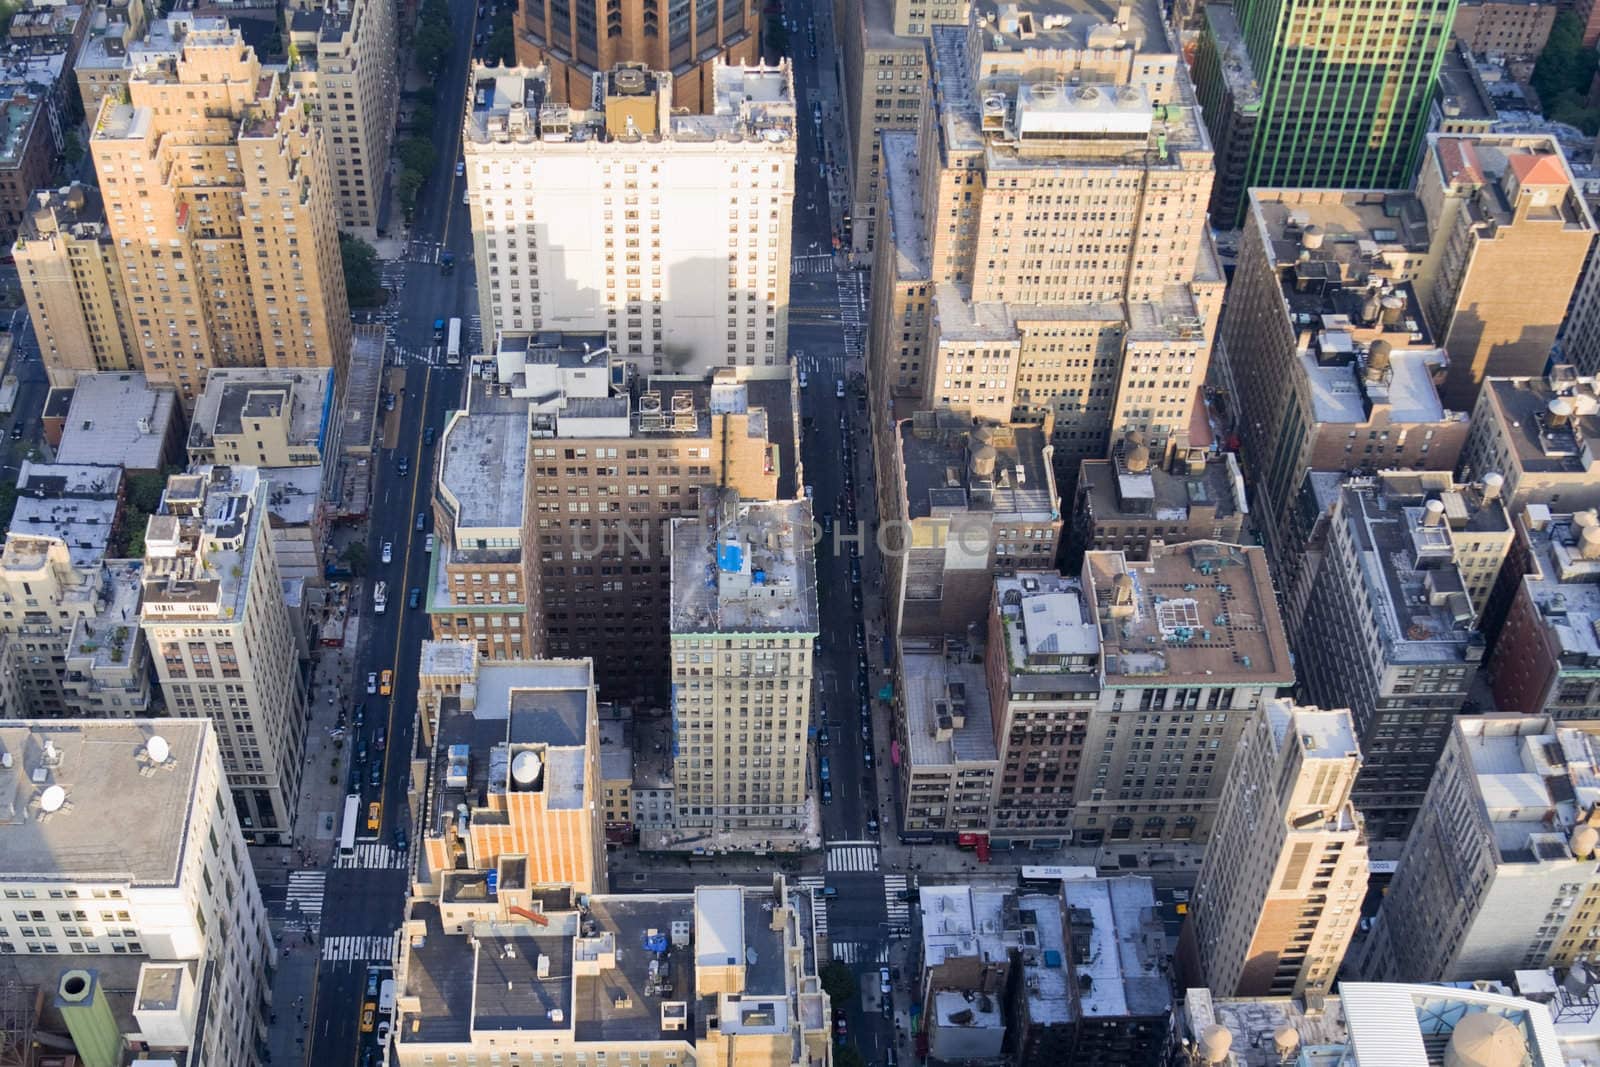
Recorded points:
1117,942
123,817
1401,526
1198,611
952,466
201,546
482,471
946,702
1535,782
76,502
745,567
1237,70
616,751
1051,634
1497,166
629,104
107,639
1551,424
1400,1024
78,210
447,657
1253,1023
19,106
117,418
903,194
1347,381
235,395
1120,489
294,494
1462,95
1322,734
1564,582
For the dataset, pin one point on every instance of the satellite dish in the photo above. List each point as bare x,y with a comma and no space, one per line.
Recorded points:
158,748
52,798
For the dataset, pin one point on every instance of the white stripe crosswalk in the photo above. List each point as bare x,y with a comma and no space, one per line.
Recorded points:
897,911
303,895
373,856
812,264
812,883
856,952
853,858
344,949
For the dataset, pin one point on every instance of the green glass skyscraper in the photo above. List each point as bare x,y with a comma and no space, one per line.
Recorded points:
1318,93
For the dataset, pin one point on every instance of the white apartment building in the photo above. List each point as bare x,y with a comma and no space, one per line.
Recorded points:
127,889
744,619
667,232
216,622
1499,871
1280,892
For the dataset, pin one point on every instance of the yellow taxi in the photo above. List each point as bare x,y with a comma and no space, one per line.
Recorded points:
375,815
386,683
369,1016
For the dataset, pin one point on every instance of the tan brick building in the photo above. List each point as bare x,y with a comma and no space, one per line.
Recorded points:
1127,503
216,189
1505,28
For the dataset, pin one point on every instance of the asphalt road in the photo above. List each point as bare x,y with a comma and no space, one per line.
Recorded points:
364,902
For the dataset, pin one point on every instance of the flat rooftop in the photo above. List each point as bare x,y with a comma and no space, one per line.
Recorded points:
236,396
1052,637
1237,70
1539,442
200,548
1254,1021
1322,734
483,470
1116,491
933,683
107,639
119,419
951,466
122,819
1564,585
1117,941
1204,609
1462,95
76,502
1492,163
903,194
1343,392
1418,598
1534,782
745,567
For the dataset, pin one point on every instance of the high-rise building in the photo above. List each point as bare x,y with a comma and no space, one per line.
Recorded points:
1505,27
345,67
885,78
1190,640
72,279
1545,652
1499,872
948,758
1315,117
1541,434
611,460
216,189
743,621
1285,872
719,975
964,503
696,40
1325,353
1501,206
214,616
612,213
265,417
71,612
1128,502
989,297
1391,627
146,922
516,772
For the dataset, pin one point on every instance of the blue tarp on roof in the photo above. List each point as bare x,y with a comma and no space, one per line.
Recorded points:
730,558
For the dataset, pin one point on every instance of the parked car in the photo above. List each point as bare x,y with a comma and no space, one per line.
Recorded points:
372,983
379,739
422,519
375,777
883,981
427,436
427,546
359,719
415,598
404,466
372,682
369,1015
400,838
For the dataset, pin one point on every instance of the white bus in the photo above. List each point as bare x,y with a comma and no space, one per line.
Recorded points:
452,348
352,819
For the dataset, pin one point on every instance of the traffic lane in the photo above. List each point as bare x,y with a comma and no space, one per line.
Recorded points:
336,1028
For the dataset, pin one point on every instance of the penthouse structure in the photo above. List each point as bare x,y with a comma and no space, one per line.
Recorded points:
515,780
147,930
1510,813
1391,627
238,262
1285,872
607,211
1328,357
1546,653
1541,434
1129,502
213,613
743,621
724,974
1014,313
1191,645
265,417
950,762
967,503
69,609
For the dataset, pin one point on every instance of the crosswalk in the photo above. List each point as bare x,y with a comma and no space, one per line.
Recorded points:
812,883
357,948
373,856
853,312
303,897
856,952
853,858
897,911
812,264
824,368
